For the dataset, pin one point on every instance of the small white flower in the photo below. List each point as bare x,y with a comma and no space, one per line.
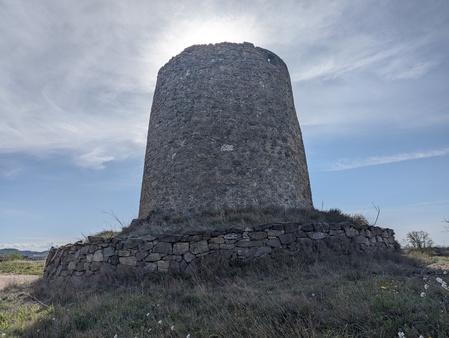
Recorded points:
115,336
426,286
313,295
150,329
160,322
421,336
401,334
148,314
188,336
53,318
423,294
172,327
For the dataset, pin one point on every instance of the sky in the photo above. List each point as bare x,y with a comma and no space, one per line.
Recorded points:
370,82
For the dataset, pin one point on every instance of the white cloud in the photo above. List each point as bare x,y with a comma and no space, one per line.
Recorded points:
78,77
33,245
346,164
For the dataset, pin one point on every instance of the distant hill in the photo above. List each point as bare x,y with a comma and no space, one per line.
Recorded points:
31,255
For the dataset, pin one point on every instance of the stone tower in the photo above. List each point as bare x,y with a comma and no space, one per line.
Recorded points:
223,134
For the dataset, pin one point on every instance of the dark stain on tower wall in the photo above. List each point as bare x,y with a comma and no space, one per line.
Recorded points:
223,134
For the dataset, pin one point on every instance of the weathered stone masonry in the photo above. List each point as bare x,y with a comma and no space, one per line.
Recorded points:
178,253
223,134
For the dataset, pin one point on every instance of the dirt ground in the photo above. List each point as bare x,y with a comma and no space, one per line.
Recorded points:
7,280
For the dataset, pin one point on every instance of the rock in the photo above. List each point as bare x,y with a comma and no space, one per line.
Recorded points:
317,235
163,247
199,247
130,260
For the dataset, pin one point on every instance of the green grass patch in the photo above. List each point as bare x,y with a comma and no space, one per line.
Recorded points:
342,296
22,267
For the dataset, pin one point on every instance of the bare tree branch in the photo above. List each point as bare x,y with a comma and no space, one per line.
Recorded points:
419,240
378,213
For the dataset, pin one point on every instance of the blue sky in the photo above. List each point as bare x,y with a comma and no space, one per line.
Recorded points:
371,89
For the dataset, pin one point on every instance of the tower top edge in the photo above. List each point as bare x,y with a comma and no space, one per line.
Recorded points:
220,47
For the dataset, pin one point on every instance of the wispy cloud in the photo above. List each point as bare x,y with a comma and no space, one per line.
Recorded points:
32,245
77,78
346,164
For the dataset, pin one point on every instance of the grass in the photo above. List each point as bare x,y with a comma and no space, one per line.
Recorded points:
22,267
157,223
342,296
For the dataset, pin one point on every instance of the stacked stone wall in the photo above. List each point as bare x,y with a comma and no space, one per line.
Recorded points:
179,252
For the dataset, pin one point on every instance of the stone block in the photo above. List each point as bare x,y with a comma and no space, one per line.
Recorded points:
257,235
146,246
216,240
151,267
163,247
140,256
307,227
109,251
79,266
172,258
227,246
321,227
274,233
362,240
232,236
153,257
199,247
213,246
163,266
174,267
129,260
277,226
95,266
189,257
287,238
351,232
262,251
334,226
274,243
247,244
180,248
98,256
301,234
71,266
131,243
317,235
124,253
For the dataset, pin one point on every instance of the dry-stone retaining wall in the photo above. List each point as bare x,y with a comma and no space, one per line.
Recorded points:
177,253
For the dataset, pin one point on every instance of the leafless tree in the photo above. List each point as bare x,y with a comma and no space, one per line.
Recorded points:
419,240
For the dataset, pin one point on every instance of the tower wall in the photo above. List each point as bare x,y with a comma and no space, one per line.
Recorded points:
223,134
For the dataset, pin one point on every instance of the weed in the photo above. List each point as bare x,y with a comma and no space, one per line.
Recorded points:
333,296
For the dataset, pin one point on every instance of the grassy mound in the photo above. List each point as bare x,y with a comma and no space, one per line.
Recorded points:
340,296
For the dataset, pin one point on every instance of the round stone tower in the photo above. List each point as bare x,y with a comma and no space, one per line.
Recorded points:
223,134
